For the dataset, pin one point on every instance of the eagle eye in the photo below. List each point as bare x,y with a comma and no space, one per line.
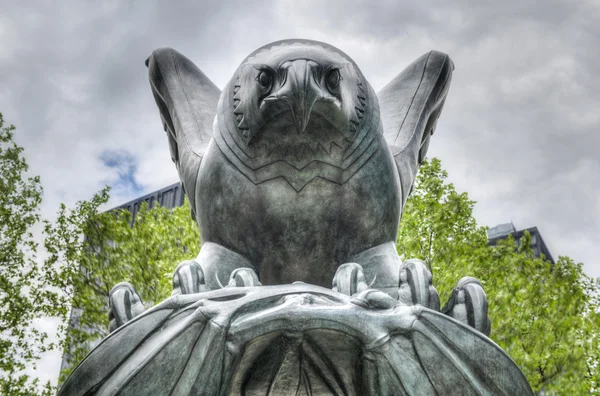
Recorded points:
264,79
333,78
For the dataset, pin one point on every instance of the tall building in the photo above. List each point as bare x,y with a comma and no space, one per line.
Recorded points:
502,231
169,197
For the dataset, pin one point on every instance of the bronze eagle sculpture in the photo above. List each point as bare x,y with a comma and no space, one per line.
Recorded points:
297,174
298,166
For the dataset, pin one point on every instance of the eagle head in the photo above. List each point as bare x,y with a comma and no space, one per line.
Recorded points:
299,100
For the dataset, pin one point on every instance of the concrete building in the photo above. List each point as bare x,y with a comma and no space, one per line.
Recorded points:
502,231
169,197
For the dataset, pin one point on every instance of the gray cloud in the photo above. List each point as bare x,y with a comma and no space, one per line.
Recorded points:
126,166
519,131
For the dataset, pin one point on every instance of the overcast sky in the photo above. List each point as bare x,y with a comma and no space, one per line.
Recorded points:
519,132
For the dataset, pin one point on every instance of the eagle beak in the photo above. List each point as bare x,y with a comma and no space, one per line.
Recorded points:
300,91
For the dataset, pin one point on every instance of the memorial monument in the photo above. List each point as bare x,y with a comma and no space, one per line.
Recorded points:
297,174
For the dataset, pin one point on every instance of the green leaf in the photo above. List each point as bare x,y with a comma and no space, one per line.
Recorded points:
545,316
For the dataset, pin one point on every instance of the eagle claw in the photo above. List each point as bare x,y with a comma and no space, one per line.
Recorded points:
188,278
349,279
125,304
243,277
468,304
415,285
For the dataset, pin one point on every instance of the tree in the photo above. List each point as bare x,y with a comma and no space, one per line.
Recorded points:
23,295
96,250
546,317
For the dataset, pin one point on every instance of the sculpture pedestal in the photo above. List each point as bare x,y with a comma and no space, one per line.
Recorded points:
294,340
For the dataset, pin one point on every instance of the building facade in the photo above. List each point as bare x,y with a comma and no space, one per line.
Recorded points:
502,231
169,197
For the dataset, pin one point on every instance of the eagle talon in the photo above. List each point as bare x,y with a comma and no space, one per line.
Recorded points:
125,304
244,277
416,286
188,278
349,279
468,304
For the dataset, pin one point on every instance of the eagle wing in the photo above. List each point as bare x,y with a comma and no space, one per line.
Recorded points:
445,357
294,339
187,102
410,106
